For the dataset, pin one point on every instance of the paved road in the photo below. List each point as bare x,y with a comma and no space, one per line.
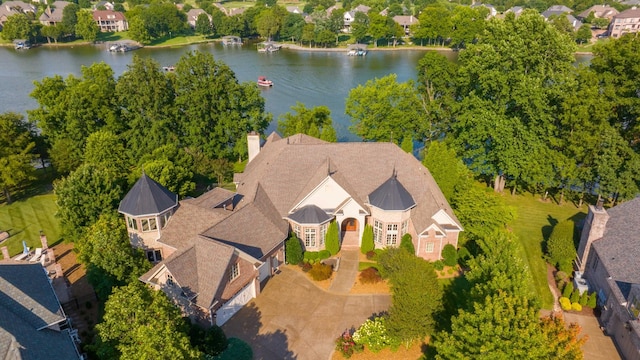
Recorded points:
294,319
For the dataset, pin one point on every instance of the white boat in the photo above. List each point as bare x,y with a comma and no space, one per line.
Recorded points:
263,81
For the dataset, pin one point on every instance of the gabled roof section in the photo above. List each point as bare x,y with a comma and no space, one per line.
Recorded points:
213,198
310,214
391,195
255,229
147,197
189,221
619,247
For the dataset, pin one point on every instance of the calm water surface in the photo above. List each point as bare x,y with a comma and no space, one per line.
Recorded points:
313,78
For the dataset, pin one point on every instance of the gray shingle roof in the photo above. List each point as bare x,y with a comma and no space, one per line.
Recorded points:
213,198
310,214
189,221
147,197
391,195
619,248
28,305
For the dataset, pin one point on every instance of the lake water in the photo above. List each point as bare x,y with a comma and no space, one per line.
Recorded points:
313,78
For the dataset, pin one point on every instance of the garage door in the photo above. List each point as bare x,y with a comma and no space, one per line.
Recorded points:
264,270
236,303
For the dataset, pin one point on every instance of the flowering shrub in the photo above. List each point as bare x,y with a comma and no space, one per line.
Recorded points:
576,307
374,334
346,345
565,303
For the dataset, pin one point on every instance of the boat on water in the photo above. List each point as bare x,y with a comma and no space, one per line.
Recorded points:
231,40
21,44
122,47
357,50
263,81
268,47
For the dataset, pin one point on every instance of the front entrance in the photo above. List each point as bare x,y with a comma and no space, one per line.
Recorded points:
350,224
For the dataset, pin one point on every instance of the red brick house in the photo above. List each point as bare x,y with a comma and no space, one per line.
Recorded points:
213,252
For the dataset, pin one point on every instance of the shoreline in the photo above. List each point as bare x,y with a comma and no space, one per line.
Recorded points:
289,46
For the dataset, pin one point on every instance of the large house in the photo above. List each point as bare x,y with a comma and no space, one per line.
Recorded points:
193,14
32,322
213,252
52,15
110,21
625,22
608,259
8,8
599,12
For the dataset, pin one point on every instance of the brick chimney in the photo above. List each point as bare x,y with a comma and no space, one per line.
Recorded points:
593,229
253,144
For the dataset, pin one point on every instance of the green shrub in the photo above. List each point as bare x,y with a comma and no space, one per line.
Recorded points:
211,341
575,296
236,350
374,334
311,255
463,256
406,242
565,303
367,240
320,272
583,299
576,307
592,302
568,289
370,276
324,254
332,239
560,246
293,250
438,265
363,265
449,255
561,275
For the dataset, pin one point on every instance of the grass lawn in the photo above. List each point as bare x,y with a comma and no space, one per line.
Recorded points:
25,218
533,225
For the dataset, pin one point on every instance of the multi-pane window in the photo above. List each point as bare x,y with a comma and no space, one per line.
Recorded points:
323,233
392,234
164,218
296,230
149,224
405,227
234,271
170,280
132,223
429,247
309,237
154,255
377,232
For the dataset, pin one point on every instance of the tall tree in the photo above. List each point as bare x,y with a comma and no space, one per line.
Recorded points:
215,110
203,25
105,149
16,146
385,110
435,25
70,18
86,27
360,26
17,26
307,121
140,323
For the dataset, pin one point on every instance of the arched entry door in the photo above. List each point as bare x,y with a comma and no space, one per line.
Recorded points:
350,224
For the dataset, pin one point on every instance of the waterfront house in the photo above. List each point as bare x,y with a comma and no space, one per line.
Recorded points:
626,22
349,16
516,10
213,252
52,15
492,9
192,17
599,12
9,8
32,322
105,4
406,21
608,259
110,21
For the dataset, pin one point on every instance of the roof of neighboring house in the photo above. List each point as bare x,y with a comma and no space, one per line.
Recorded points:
560,8
516,9
194,13
236,11
147,197
391,195
619,248
405,20
108,15
599,11
55,14
28,306
284,169
17,5
198,269
361,8
294,10
310,214
628,14
631,2
574,22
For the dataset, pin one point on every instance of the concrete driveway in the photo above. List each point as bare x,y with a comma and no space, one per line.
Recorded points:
294,319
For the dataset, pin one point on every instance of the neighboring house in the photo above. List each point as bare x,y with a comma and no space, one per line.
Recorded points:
9,8
625,22
406,21
574,22
349,16
492,10
516,10
107,5
608,259
110,21
296,10
52,16
32,322
556,10
192,17
599,11
631,2
213,252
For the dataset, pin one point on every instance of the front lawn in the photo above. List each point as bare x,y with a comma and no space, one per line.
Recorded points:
533,225
25,218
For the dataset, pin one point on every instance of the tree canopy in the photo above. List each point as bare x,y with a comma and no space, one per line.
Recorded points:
16,146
